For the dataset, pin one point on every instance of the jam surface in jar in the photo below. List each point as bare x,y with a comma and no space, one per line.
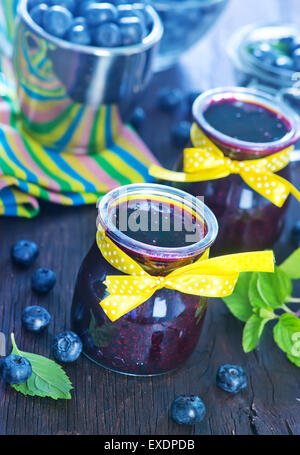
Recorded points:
246,121
159,335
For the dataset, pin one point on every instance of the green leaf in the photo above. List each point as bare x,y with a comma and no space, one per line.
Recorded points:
238,302
282,284
102,336
254,296
48,379
287,336
291,266
252,332
274,288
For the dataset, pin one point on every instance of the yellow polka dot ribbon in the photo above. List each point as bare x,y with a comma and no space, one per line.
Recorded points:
205,161
214,277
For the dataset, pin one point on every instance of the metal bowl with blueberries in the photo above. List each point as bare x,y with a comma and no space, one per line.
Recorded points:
185,23
89,53
270,53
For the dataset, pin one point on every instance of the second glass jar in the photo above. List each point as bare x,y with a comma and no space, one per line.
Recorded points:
247,220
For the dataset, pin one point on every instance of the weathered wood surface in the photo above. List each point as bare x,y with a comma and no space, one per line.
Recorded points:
107,403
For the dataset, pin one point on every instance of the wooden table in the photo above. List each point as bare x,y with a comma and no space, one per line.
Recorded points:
107,403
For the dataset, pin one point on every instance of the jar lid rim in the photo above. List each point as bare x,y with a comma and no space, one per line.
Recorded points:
173,194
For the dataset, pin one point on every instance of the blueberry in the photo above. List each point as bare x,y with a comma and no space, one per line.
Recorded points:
43,280
192,96
140,9
15,369
67,347
79,34
132,30
296,59
296,43
169,99
231,378
32,3
295,234
265,53
138,117
180,133
24,253
99,13
107,35
57,20
188,410
125,11
35,318
69,4
82,6
284,62
38,12
79,21
287,42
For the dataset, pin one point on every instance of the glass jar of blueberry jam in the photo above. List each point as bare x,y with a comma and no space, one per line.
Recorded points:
246,125
162,229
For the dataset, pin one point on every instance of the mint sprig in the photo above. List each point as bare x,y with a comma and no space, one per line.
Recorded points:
48,379
261,297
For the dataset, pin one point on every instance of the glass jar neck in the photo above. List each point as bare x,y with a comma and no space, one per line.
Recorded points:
240,154
160,227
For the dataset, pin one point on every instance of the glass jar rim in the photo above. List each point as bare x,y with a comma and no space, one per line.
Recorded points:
253,96
172,194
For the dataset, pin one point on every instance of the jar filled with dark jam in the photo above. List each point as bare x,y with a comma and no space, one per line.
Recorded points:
162,229
246,125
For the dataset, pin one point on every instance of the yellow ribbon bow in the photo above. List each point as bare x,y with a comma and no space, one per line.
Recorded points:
214,277
207,162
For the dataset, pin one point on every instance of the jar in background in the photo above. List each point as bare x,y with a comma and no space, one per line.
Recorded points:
246,125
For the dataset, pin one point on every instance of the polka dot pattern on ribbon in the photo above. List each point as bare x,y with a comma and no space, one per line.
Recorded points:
258,174
206,277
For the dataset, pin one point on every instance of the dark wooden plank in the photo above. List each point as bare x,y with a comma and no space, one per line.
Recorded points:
107,403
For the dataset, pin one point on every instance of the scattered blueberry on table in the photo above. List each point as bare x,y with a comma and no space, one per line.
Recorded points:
15,369
295,234
43,280
67,347
98,23
192,96
138,117
188,410
169,99
35,318
231,378
180,133
24,253
283,53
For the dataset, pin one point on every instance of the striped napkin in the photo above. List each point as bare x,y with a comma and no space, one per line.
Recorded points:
31,169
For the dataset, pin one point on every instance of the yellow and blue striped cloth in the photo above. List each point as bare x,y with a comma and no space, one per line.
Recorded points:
31,169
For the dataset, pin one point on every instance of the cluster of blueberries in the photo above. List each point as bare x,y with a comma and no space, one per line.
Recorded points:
66,346
93,23
283,53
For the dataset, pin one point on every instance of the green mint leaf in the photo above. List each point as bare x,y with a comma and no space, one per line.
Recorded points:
287,336
254,296
48,379
238,302
252,332
102,336
274,288
283,284
291,266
